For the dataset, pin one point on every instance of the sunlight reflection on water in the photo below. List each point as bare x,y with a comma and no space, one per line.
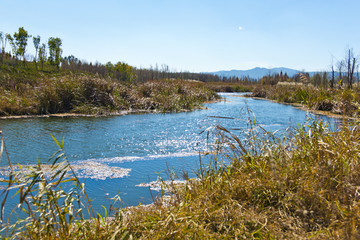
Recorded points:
141,146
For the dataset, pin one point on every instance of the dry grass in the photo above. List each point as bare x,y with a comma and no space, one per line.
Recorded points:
229,87
339,101
67,92
299,186
304,186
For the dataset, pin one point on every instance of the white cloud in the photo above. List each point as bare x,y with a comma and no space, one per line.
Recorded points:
241,28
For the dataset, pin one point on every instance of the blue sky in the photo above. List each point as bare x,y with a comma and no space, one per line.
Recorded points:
194,35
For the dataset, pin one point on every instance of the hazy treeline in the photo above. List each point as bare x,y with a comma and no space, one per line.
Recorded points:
49,53
343,73
125,72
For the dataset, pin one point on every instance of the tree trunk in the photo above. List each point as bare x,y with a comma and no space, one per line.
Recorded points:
332,77
352,72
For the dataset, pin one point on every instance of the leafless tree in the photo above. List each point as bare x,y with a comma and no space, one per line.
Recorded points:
351,62
340,66
332,73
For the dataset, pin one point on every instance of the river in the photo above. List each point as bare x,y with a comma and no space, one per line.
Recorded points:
115,154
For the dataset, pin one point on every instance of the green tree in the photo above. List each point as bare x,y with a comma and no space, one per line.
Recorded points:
109,69
36,41
3,42
124,72
2,37
42,54
55,51
13,45
21,38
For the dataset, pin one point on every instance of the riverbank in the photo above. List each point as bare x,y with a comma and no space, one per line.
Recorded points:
336,103
75,115
302,185
304,107
102,114
78,94
230,86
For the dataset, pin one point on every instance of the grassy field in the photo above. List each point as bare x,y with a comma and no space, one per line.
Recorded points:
304,185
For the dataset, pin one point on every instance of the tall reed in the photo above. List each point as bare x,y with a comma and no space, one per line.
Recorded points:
257,185
52,203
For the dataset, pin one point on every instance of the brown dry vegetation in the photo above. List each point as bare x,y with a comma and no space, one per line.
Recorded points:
304,185
68,92
338,101
230,87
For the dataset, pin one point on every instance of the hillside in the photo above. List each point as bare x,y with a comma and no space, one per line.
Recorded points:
257,73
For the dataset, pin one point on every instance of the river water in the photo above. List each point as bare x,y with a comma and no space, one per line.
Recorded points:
113,155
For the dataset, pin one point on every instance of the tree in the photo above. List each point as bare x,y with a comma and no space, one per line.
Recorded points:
3,44
340,66
36,41
2,37
12,44
286,77
332,80
332,77
165,71
350,65
109,69
124,72
55,51
21,38
71,59
42,54
324,79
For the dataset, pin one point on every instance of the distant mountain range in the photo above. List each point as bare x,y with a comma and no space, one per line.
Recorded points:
257,73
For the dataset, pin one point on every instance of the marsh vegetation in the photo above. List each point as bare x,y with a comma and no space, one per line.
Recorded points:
258,184
300,185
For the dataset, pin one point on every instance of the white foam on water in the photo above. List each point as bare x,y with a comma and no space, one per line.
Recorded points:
271,125
178,154
111,160
99,168
172,142
137,158
85,169
159,185
96,170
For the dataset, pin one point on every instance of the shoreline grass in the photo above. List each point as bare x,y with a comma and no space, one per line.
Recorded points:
301,185
342,102
229,86
79,93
